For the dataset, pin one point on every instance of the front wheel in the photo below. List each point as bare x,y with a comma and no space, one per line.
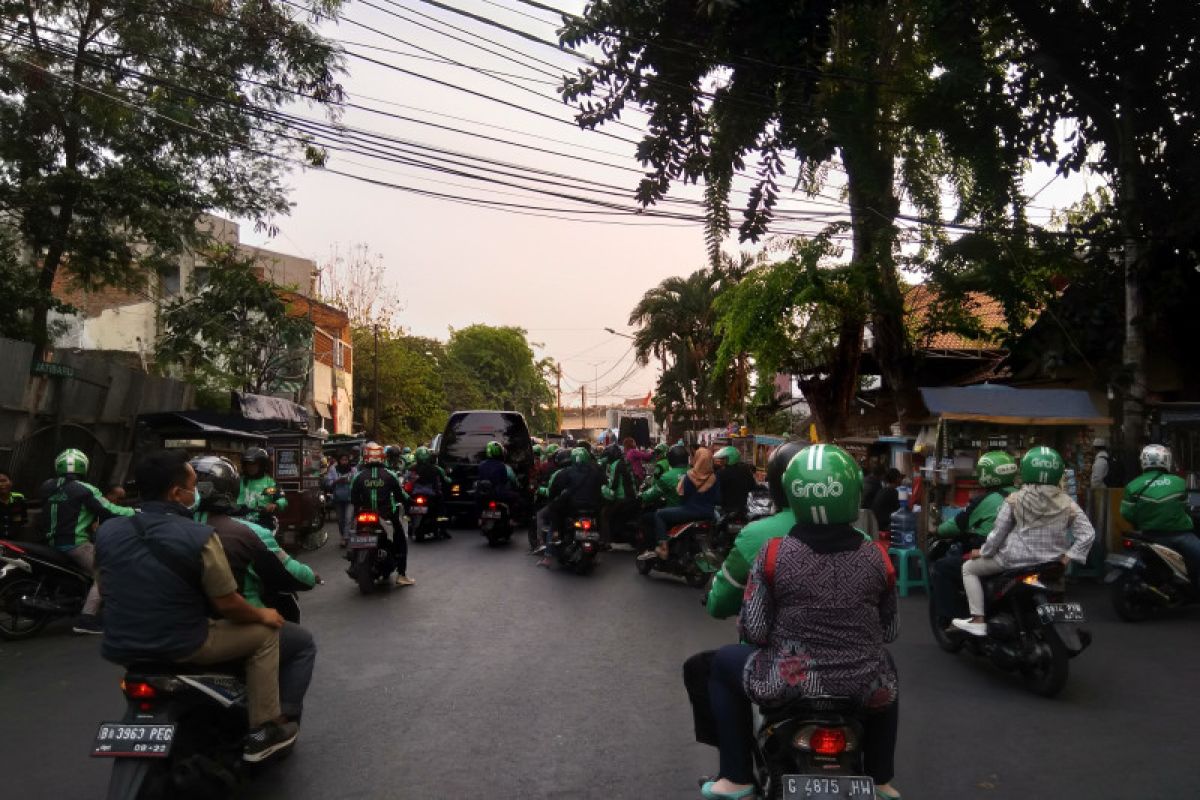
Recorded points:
1125,601
17,621
938,625
1049,675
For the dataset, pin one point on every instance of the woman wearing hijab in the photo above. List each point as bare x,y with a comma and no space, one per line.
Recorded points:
701,492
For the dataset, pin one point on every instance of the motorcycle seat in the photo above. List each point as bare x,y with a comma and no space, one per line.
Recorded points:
683,526
51,554
157,667
821,704
1048,569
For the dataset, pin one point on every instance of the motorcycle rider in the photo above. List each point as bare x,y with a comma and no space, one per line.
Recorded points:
819,607
662,491
551,489
1037,523
662,462
259,494
395,461
996,471
428,474
619,493
494,470
1155,503
737,480
578,490
700,490
14,513
261,575
161,571
376,489
69,507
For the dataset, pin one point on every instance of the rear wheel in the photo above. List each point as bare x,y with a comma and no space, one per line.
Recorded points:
1049,675
16,621
938,625
644,566
364,575
1127,604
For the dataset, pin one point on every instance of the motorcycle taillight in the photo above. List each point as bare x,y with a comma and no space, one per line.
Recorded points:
828,741
7,545
492,505
138,690
1128,544
420,501
367,518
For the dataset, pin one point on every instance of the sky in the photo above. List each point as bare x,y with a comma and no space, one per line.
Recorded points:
563,274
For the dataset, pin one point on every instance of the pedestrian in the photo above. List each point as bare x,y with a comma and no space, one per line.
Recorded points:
1100,464
339,479
14,513
887,500
873,482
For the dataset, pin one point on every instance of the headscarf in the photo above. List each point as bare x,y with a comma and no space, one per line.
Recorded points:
701,474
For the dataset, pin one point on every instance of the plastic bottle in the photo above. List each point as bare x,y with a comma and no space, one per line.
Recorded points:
904,526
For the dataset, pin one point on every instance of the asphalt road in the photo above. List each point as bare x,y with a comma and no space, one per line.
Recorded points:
492,678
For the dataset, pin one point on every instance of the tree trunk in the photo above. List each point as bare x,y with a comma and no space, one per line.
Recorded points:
830,397
1133,354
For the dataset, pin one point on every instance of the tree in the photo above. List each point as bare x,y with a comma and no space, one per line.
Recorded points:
901,94
121,122
501,366
413,404
234,331
21,291
354,282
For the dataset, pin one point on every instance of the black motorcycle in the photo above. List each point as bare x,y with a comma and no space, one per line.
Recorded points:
580,543
181,736
38,583
811,748
1146,577
367,550
495,515
695,550
1031,628
423,522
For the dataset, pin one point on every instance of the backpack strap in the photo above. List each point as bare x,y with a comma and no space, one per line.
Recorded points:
888,566
771,559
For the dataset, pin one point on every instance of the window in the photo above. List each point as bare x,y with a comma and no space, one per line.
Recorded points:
339,354
170,281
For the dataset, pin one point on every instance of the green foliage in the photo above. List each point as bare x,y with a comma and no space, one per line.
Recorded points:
413,400
235,332
120,123
21,291
500,364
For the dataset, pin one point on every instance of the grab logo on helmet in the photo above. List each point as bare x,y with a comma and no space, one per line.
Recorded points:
819,490
1006,469
1043,463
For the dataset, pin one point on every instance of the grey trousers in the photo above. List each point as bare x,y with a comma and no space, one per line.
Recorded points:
297,657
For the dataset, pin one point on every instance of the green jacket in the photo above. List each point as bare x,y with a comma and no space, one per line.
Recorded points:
1156,502
661,466
725,596
979,516
665,488
251,494
544,490
614,486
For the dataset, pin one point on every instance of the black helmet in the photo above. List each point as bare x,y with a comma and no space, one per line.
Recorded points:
613,452
256,455
562,457
780,458
393,453
217,482
678,456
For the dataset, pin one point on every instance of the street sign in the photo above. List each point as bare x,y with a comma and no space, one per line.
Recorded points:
52,369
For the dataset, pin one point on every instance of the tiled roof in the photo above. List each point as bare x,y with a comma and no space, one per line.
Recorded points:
920,301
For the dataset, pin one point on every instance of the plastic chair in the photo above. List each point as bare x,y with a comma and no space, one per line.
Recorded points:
903,558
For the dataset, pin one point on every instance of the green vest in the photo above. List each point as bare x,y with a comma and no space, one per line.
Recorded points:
725,596
1156,502
666,488
251,494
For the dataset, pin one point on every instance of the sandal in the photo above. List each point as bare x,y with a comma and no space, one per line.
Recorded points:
707,792
882,795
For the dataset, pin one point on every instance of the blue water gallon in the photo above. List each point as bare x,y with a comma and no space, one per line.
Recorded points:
904,527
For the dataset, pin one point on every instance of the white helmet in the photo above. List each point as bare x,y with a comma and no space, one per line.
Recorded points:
1155,456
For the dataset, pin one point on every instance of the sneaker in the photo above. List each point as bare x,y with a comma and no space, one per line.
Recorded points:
649,555
973,628
265,741
544,562
404,580
538,551
88,624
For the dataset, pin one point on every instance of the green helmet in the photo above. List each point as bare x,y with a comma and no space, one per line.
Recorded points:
421,454
580,456
537,450
494,450
824,485
551,449
71,462
730,454
660,450
1042,465
996,468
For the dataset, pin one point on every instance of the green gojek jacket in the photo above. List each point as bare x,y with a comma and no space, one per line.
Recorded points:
1156,502
619,475
545,489
979,516
69,507
252,494
728,587
665,488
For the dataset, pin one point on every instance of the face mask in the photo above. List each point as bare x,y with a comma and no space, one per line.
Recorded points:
195,506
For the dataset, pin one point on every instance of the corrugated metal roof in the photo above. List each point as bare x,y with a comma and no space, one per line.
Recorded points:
1008,405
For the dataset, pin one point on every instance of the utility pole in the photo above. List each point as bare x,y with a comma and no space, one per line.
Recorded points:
558,394
583,404
375,412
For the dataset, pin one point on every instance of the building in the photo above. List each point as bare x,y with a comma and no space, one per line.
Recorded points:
123,323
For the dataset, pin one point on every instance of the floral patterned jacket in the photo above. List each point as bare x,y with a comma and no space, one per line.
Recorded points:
822,624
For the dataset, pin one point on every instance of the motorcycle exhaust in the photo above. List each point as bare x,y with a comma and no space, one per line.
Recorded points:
43,606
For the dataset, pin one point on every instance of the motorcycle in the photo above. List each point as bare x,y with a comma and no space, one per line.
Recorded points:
580,543
495,517
38,583
810,748
696,550
1031,628
181,735
1147,577
423,522
370,558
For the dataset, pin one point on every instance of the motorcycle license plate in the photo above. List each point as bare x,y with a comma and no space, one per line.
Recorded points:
490,515
417,511
361,542
1061,612
820,787
131,740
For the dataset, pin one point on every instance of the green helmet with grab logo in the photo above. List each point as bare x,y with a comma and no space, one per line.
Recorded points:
494,450
729,454
580,456
996,469
660,450
71,462
823,485
1042,465
422,455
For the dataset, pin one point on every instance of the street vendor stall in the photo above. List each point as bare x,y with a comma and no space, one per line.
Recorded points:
966,422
